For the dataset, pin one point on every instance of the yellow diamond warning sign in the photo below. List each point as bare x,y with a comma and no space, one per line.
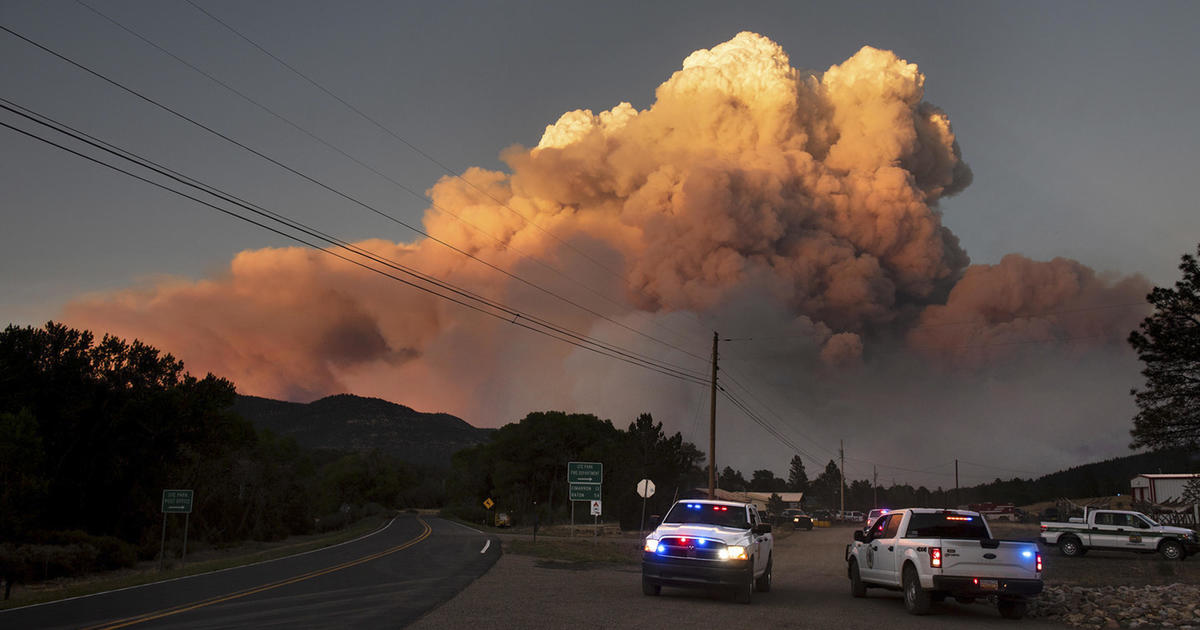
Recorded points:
488,503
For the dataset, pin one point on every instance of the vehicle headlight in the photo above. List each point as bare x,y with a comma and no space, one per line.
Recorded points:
651,545
732,552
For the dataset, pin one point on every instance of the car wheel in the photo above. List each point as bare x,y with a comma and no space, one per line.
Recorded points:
1171,550
1012,608
1070,546
763,583
916,599
649,587
857,587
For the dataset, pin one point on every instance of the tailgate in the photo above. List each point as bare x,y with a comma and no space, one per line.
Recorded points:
975,558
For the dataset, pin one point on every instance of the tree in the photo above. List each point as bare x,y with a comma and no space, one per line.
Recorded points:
766,481
797,477
732,480
1191,490
775,504
826,489
1168,343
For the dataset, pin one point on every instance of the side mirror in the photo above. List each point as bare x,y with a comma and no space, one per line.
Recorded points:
859,536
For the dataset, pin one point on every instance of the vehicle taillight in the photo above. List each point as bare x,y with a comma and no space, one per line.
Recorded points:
1043,528
1039,563
935,557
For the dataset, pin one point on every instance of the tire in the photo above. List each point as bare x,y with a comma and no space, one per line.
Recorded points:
916,599
1012,608
1070,547
742,592
857,587
1171,550
650,588
763,583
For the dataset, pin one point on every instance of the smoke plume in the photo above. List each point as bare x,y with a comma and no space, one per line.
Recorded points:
750,197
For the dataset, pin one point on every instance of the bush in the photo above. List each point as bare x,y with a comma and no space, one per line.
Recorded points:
107,552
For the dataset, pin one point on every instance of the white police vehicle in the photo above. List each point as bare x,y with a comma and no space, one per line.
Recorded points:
709,544
931,554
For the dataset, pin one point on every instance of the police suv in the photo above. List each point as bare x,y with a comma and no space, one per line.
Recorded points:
931,554
713,544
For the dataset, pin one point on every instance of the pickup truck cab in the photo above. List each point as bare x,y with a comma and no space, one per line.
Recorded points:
713,544
932,553
1120,530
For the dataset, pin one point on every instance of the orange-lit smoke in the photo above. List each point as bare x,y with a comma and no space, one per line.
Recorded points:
816,194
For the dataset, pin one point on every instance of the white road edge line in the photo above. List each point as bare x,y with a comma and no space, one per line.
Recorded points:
187,577
485,547
461,525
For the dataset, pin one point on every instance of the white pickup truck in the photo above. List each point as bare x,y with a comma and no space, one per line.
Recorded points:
714,544
931,554
1121,530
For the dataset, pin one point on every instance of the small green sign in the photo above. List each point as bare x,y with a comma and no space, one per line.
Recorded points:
585,492
585,472
177,501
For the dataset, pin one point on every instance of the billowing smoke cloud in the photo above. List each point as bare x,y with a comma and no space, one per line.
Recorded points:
749,196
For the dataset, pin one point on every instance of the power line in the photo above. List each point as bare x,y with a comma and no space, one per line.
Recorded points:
399,185
488,307
402,140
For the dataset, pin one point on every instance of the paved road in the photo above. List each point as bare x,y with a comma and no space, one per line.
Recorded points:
810,591
383,580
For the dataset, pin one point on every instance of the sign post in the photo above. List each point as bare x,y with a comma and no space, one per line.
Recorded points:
583,484
645,488
174,502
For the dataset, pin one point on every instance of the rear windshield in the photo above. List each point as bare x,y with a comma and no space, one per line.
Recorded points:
940,525
708,514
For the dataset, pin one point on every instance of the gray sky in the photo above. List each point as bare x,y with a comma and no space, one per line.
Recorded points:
1076,118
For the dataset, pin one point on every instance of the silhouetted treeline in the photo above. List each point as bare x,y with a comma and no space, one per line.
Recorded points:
526,462
1105,478
92,432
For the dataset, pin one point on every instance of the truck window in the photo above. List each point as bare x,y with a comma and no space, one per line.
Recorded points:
1104,518
946,525
893,526
708,514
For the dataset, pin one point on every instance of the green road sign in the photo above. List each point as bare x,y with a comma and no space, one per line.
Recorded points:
585,472
177,501
585,492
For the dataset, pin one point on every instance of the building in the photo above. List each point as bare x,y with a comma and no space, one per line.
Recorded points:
759,499
1160,488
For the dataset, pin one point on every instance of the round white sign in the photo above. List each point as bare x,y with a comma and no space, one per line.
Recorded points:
645,488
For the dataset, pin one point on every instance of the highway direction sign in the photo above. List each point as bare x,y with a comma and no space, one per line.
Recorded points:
585,472
177,501
585,492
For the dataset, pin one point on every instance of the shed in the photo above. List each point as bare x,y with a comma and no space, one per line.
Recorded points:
1159,487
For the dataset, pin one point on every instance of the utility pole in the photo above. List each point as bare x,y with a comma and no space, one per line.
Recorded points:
875,486
842,470
712,426
957,498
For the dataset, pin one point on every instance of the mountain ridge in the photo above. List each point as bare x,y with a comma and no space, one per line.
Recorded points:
356,423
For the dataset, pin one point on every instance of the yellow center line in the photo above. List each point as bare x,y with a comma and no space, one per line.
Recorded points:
151,616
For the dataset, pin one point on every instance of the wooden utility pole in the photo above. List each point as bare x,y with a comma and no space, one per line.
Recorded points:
875,486
957,498
712,426
842,470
